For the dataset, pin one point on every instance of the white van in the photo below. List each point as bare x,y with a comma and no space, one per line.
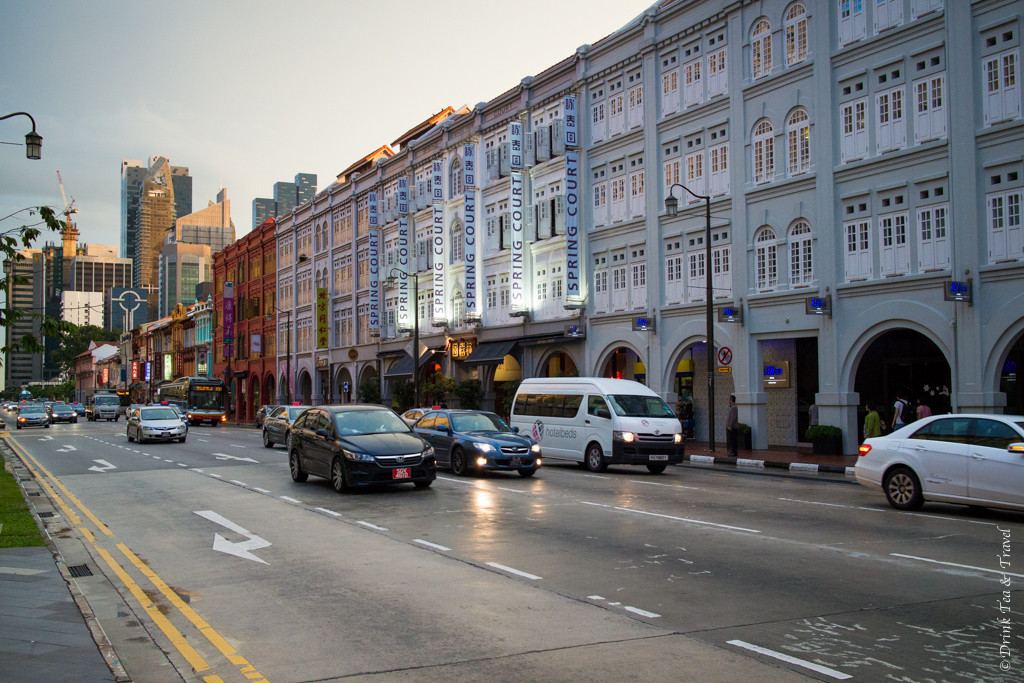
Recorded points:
597,422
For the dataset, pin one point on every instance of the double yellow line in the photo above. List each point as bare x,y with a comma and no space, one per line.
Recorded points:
195,660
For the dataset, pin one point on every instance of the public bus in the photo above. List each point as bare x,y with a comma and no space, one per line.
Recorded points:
202,397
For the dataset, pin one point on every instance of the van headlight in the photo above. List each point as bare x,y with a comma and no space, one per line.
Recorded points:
677,438
627,437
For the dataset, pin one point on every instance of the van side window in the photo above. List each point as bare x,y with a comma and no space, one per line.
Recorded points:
520,406
596,403
572,406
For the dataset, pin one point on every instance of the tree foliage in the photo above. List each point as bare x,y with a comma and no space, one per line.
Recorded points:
12,242
76,341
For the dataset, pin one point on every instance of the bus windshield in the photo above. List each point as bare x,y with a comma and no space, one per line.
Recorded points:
640,406
206,400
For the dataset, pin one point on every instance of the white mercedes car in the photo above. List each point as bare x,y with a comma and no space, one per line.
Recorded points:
975,460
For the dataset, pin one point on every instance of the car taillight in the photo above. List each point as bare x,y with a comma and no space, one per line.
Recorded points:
864,449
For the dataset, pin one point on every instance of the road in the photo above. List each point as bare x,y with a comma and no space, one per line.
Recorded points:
211,552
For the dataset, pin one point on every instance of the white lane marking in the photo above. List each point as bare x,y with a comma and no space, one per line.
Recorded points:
330,512
502,488
687,519
372,526
166,460
458,481
291,500
242,549
431,545
839,675
832,505
513,571
595,476
235,445
643,613
954,564
594,597
260,490
902,514
102,466
225,456
600,505
211,474
181,464
196,469
240,483
658,483
205,440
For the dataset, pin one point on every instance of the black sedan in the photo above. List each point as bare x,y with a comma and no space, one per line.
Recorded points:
262,414
277,426
355,445
470,441
62,412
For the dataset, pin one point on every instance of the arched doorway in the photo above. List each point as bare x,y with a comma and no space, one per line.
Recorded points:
688,378
1011,378
269,389
368,389
624,363
305,392
344,379
559,364
906,363
507,376
255,395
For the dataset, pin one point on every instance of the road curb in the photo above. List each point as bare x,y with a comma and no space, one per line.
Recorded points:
748,463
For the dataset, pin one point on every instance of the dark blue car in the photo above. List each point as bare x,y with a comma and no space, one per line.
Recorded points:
471,441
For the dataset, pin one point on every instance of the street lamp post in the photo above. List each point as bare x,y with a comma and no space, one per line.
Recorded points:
415,331
672,207
33,140
288,357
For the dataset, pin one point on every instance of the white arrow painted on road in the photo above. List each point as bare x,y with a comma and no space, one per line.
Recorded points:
104,466
67,449
223,545
225,456
46,438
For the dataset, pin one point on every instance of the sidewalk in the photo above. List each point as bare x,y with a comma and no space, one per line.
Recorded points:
796,458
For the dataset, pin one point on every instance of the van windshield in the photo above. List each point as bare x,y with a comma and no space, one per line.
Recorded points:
626,405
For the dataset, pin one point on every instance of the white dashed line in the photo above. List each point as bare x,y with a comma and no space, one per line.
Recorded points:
502,488
235,445
691,521
432,545
791,660
329,512
658,483
595,476
599,505
240,483
594,597
643,613
181,464
372,526
260,490
211,474
291,500
959,566
457,481
510,570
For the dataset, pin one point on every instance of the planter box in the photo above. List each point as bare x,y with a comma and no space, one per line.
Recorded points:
828,445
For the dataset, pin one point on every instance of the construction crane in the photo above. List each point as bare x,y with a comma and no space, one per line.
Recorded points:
69,235
68,208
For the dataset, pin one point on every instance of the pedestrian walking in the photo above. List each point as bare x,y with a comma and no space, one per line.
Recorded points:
898,410
922,409
732,428
872,423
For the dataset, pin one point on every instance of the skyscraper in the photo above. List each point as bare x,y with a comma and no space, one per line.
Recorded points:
262,209
305,187
286,197
176,193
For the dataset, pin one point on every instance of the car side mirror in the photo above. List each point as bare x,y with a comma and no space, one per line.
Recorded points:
321,432
515,429
1016,448
445,429
603,412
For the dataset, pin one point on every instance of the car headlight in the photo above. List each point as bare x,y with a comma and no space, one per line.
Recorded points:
357,457
535,448
628,437
428,452
484,447
677,438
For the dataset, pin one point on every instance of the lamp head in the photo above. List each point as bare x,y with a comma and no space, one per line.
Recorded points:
34,145
671,205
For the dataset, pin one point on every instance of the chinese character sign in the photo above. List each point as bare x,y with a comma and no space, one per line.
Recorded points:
569,105
372,210
403,196
322,328
515,131
437,178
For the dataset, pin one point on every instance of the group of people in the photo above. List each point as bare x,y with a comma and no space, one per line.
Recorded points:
903,413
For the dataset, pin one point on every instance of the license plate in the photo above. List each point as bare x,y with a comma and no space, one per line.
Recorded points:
166,434
402,473
515,462
655,458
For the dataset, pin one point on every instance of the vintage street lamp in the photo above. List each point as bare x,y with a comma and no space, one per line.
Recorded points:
33,140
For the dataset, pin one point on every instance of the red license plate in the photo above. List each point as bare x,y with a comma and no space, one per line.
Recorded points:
402,473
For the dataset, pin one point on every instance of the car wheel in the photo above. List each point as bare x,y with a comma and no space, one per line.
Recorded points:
267,443
182,439
527,472
298,474
903,489
594,460
422,484
338,476
459,466
18,426
128,433
47,425
75,421
656,469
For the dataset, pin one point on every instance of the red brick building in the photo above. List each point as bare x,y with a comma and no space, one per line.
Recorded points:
248,364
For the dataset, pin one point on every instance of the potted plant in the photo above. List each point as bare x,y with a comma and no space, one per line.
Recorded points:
743,439
826,439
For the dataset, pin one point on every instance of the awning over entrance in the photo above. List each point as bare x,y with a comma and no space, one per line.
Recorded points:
489,353
403,368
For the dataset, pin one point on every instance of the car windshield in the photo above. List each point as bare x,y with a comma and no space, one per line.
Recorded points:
479,422
158,414
32,409
293,411
355,422
640,406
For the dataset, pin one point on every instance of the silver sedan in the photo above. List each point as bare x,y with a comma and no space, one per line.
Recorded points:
157,423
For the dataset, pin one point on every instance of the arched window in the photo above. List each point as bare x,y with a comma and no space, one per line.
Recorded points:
766,261
801,254
458,308
455,178
761,49
796,33
764,151
458,244
798,141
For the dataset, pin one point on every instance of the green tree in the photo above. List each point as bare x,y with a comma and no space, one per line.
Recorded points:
468,394
437,389
369,390
12,241
77,341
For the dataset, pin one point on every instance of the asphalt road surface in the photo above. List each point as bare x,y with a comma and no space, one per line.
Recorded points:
208,560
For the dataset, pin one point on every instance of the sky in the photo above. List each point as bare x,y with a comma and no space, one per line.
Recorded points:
246,94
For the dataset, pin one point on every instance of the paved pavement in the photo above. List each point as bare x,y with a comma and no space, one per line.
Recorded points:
48,634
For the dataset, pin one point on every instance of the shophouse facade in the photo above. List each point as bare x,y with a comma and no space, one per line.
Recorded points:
852,216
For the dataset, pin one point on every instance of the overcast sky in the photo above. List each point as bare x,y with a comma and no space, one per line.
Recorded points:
246,94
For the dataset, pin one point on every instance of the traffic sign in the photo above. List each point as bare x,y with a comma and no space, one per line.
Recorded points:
725,355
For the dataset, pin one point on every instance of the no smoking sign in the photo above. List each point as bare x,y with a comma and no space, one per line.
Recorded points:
725,355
